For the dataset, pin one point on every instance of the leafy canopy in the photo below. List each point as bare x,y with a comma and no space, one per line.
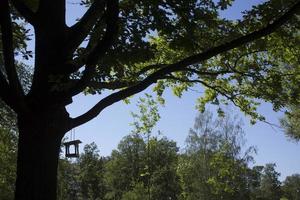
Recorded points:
123,47
153,35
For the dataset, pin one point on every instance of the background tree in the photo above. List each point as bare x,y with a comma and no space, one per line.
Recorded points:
130,156
192,45
213,166
131,180
83,178
91,177
254,182
138,192
291,187
270,185
68,187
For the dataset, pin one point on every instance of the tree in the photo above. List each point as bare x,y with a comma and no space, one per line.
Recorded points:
68,187
91,179
130,157
270,185
138,192
162,170
132,45
254,181
213,166
82,179
148,163
291,187
137,176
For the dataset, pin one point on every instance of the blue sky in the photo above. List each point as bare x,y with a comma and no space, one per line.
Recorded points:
177,117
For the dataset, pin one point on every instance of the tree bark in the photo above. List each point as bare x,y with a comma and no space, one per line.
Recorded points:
38,153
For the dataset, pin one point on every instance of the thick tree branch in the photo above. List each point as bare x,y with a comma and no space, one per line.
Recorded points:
109,100
207,73
181,65
5,94
52,12
79,31
8,50
101,48
25,11
111,31
150,67
112,85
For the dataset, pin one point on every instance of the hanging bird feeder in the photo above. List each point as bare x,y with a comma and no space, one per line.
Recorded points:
73,145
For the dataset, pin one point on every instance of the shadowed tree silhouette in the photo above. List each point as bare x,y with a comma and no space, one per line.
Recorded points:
130,46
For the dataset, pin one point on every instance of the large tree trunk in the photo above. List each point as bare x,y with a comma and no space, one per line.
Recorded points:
38,153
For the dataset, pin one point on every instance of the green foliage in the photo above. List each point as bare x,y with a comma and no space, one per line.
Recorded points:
212,166
270,185
165,32
138,192
229,181
158,33
125,166
68,187
291,187
21,36
291,124
7,117
91,175
133,169
148,115
8,161
254,182
83,179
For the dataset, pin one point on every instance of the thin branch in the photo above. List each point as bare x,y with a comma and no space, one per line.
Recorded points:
181,65
203,83
219,90
8,50
275,127
25,11
79,31
246,54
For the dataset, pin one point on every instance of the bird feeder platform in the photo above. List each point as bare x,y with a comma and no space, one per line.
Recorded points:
75,144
